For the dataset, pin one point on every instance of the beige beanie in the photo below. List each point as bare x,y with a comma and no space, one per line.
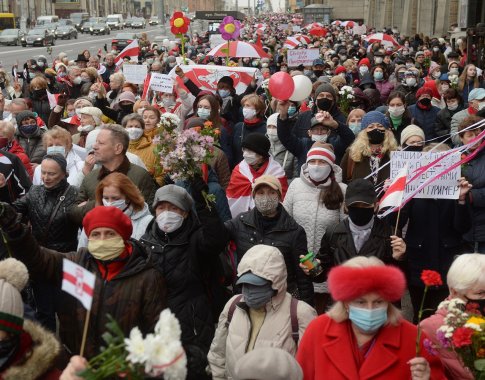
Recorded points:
411,130
13,278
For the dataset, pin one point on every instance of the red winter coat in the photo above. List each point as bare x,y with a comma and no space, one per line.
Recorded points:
20,153
325,353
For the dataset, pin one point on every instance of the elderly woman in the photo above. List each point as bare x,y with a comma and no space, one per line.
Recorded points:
72,122
8,91
466,281
116,82
9,144
89,119
29,136
381,80
364,335
370,152
151,118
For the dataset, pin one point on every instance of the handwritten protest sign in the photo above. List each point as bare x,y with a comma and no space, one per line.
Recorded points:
445,187
135,73
303,57
161,82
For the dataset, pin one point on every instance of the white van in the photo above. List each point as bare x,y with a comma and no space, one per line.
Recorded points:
41,20
115,21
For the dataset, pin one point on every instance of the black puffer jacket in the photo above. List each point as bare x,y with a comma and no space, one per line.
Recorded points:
42,107
32,145
249,229
183,258
37,207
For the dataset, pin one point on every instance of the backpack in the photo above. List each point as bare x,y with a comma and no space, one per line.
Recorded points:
293,315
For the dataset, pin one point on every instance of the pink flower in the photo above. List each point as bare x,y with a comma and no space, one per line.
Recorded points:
230,28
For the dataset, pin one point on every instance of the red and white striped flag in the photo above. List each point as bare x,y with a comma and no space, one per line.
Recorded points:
52,99
132,51
78,282
395,193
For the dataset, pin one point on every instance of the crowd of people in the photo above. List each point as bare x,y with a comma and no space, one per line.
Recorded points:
81,179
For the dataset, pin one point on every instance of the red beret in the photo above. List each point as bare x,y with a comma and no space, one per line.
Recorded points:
108,217
424,91
364,61
340,69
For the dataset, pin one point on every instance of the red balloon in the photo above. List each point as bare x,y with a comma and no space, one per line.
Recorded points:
281,85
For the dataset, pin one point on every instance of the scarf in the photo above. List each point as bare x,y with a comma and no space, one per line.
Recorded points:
360,234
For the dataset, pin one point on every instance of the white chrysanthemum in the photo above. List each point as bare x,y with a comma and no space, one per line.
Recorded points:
473,326
135,345
177,371
168,326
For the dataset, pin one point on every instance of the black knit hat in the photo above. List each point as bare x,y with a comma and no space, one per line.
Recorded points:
61,161
257,143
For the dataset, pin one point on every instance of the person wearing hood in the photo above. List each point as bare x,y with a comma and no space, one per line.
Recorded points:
27,350
424,113
453,105
126,101
121,266
381,80
45,208
89,120
29,136
278,151
9,144
185,239
265,315
73,120
315,201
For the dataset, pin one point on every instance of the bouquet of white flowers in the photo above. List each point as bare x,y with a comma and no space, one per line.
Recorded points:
346,94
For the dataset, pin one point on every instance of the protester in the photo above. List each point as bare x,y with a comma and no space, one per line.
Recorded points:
476,100
453,105
398,113
9,144
424,113
29,136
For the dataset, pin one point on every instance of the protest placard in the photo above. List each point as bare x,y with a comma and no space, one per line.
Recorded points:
445,187
303,57
135,73
161,82
282,26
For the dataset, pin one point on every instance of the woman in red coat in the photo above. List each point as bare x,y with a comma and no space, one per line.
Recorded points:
363,336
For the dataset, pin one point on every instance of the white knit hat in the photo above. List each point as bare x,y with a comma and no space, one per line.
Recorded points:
95,112
409,131
273,119
321,152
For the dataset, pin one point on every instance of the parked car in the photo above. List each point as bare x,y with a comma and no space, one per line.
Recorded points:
51,27
64,21
138,23
128,22
66,32
38,36
122,40
115,21
100,28
154,20
86,27
11,37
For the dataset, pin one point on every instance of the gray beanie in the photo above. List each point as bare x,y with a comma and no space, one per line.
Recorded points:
25,115
326,87
175,195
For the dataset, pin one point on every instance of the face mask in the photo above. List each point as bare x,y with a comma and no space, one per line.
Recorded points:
272,134
78,111
444,87
62,75
31,75
378,60
363,70
319,173
134,133
452,107
410,82
378,75
126,107
360,216
224,93
376,136
140,111
436,74
77,80
119,204
249,113
413,148
86,128
150,61
291,110
366,320
396,111
266,204
436,49
406,44
257,296
405,53
203,113
320,138
92,95
342,57
105,250
307,73
168,102
57,149
426,102
409,65
71,113
318,73
324,104
355,127
39,93
169,221
454,71
264,65
28,129
255,63
481,106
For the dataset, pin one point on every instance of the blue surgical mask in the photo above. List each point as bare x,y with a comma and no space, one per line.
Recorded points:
368,320
257,297
378,75
291,110
57,149
355,127
203,113
224,93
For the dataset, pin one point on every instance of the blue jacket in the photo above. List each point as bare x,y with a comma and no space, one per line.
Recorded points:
240,131
425,119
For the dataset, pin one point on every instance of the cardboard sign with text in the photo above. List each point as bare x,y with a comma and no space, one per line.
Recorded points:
303,57
135,73
161,82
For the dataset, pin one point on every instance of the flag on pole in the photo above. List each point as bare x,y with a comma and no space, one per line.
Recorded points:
395,193
52,99
78,282
132,51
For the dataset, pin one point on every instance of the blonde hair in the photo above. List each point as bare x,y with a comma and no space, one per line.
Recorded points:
255,101
7,129
462,79
360,148
338,312
355,113
59,134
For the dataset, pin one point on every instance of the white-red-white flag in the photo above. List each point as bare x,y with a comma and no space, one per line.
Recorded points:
52,99
394,194
78,282
132,51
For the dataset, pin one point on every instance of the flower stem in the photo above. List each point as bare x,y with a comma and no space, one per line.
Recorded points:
420,315
227,56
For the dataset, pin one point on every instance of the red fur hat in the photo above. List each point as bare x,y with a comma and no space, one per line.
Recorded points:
348,283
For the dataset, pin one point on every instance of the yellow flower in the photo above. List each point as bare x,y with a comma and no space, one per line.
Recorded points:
476,320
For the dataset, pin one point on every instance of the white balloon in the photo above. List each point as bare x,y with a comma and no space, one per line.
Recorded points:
303,88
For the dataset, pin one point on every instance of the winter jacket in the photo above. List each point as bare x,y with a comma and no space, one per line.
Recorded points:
340,138
32,145
425,119
406,120
433,236
410,92
75,164
138,176
303,121
251,228
36,356
220,164
231,340
385,88
124,297
145,149
18,181
287,160
240,131
15,148
474,172
456,120
442,126
453,366
41,107
38,206
303,202
325,352
352,170
116,116
184,257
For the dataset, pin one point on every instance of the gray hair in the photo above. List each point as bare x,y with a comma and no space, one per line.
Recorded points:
466,271
133,116
119,135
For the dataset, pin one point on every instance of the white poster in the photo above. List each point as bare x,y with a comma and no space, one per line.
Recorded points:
161,82
305,57
135,73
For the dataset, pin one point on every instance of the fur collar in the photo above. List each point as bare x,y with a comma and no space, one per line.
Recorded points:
39,359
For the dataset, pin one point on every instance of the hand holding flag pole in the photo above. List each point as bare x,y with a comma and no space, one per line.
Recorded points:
394,195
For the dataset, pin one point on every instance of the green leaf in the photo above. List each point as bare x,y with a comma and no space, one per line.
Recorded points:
480,364
225,50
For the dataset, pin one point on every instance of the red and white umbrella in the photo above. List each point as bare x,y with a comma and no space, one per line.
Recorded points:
318,31
303,39
383,39
292,43
239,49
348,24
336,22
260,26
313,25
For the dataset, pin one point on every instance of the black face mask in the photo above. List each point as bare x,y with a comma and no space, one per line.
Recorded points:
8,349
127,107
413,148
324,104
39,93
426,102
318,73
360,216
479,304
376,136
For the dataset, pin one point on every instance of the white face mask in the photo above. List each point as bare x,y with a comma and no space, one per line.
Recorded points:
320,138
272,134
169,221
86,128
251,158
56,149
481,106
363,69
378,60
119,204
77,80
140,111
134,133
396,111
319,173
168,102
411,82
454,71
249,113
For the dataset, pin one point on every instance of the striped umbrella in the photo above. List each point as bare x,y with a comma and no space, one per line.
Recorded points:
239,49
348,24
313,25
383,39
303,39
336,22
292,43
